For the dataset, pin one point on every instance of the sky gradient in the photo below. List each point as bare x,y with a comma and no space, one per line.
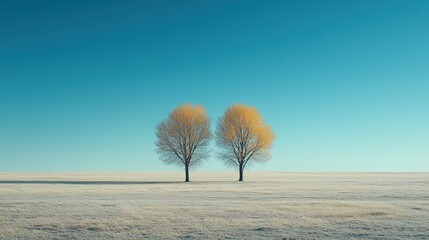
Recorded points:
344,84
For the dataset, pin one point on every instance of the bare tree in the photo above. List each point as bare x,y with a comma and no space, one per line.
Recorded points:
183,137
243,137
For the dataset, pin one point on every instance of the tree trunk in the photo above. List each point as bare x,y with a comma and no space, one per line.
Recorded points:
187,172
241,168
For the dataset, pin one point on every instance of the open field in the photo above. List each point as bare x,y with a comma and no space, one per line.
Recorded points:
215,206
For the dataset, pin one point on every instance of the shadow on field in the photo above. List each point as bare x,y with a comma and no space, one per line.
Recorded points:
86,182
71,182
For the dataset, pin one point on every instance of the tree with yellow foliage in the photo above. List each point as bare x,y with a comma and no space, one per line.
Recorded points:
184,136
243,137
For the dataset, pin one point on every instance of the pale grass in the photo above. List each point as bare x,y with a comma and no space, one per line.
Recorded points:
214,206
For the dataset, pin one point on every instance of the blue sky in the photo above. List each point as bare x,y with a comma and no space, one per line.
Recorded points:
344,84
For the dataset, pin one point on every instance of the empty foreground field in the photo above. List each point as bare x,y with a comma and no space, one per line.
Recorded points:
215,206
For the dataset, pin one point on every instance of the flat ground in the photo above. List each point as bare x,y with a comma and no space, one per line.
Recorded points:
215,206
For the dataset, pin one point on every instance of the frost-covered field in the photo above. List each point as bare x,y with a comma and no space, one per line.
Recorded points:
215,206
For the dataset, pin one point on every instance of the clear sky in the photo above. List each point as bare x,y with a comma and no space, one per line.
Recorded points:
344,84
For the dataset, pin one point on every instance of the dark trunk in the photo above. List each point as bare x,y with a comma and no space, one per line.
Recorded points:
241,172
187,172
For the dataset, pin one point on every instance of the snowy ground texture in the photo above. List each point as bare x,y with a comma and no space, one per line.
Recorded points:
215,206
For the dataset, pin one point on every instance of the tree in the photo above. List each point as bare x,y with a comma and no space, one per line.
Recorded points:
184,136
243,137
